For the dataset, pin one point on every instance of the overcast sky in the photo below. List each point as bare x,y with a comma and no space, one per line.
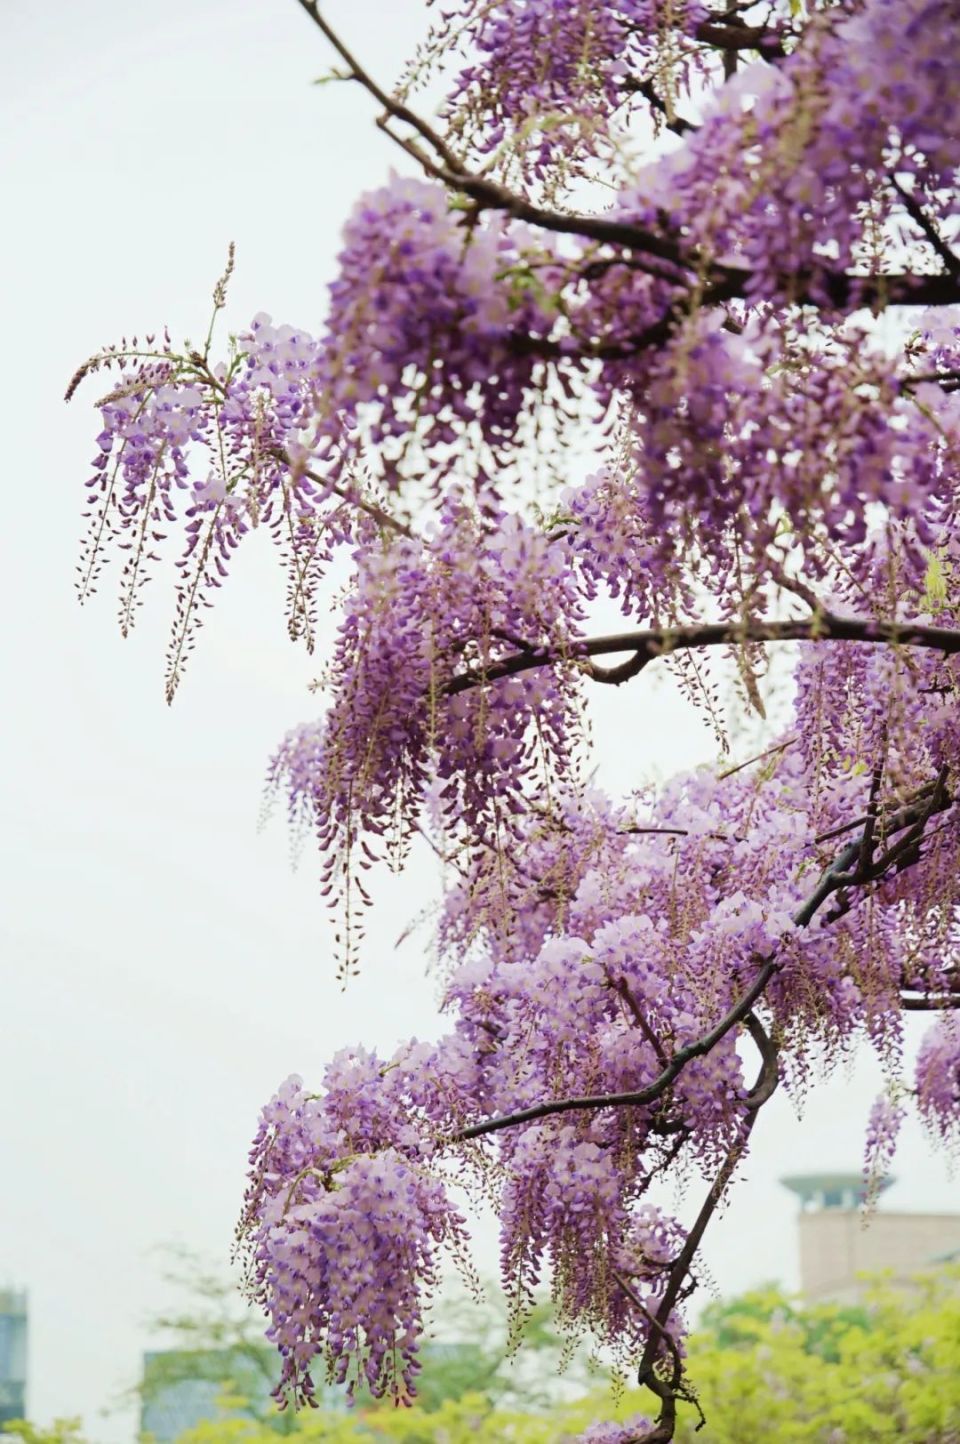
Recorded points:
163,968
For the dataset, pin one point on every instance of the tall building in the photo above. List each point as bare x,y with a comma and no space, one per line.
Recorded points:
838,1243
13,1355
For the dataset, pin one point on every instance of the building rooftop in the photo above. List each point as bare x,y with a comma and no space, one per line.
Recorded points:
831,1190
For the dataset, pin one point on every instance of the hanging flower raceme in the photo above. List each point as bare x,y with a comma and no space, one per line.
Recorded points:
937,1080
567,1207
344,1224
631,1431
421,615
428,337
880,1145
552,82
784,172
212,453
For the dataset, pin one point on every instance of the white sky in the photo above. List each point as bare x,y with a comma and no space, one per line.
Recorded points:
162,968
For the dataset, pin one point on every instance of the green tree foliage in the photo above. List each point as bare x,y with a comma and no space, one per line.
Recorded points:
826,1374
212,1338
469,1420
768,1369
61,1431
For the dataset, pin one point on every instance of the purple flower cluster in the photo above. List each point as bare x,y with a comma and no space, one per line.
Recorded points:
561,992
548,77
475,590
511,417
937,1081
344,1240
793,164
419,341
736,439
632,1431
217,452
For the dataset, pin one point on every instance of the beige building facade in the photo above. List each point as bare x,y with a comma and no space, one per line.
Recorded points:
839,1242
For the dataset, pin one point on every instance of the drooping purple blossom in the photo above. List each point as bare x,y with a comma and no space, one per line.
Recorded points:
510,416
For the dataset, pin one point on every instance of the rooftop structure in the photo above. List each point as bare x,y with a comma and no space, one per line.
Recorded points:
831,1190
840,1243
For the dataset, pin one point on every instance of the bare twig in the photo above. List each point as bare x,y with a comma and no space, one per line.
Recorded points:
769,752
923,223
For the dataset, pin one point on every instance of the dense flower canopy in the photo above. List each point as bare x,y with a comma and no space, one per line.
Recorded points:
663,313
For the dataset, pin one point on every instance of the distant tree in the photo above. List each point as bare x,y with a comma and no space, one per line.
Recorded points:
770,1368
61,1431
467,1420
212,1338
734,1322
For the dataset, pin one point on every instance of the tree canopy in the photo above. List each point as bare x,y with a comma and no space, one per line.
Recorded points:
211,1339
661,314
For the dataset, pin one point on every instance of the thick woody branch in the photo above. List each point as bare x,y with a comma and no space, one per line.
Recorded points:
769,1075
733,36
647,645
925,225
762,1090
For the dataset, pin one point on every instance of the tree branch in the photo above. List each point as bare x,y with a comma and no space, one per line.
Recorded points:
648,644
728,35
769,1075
641,1096
762,1090
925,225
721,282
693,1240
383,518
655,100
835,877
